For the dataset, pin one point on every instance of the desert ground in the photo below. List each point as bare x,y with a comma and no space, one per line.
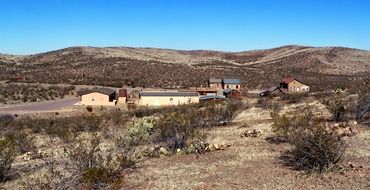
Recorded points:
241,162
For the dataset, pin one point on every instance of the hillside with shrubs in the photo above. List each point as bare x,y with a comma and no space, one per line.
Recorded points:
322,68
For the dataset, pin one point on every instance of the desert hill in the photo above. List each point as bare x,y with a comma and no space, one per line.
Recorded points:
322,67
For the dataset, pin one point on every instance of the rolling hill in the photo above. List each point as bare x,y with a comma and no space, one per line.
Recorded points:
321,67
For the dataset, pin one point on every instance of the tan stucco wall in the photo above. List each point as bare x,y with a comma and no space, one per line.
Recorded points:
122,100
232,86
99,99
215,85
166,100
296,86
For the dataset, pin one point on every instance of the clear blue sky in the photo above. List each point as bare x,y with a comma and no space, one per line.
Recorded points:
32,26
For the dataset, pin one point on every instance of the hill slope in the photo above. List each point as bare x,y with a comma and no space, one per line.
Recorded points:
320,67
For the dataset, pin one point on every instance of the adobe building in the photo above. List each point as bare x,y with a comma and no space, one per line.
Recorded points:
291,85
98,97
168,98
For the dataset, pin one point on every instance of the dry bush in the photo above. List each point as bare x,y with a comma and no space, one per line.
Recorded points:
286,127
316,149
176,129
95,169
89,109
362,108
294,98
338,107
22,141
7,156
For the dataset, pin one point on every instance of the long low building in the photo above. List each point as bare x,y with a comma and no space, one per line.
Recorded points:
167,98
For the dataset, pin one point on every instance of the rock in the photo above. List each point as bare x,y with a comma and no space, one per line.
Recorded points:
251,133
217,147
190,149
179,152
211,147
163,151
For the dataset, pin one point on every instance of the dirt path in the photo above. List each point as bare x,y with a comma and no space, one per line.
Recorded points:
46,106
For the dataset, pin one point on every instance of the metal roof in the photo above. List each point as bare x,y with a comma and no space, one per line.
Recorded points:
212,80
170,93
212,98
106,91
231,81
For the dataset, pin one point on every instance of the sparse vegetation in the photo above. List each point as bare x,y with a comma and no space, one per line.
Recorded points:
16,93
7,156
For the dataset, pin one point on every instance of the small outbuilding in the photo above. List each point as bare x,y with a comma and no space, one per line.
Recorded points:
98,97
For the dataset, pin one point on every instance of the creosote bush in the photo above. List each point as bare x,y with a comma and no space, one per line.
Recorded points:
338,107
317,149
95,169
7,156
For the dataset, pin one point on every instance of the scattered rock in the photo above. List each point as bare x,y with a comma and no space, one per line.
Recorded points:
217,147
163,151
251,133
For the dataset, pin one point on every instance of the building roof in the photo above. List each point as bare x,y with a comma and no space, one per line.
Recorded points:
169,93
212,98
212,80
231,81
287,80
106,91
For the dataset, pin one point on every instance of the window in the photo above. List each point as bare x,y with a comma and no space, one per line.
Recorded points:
237,86
189,100
227,86
93,99
171,100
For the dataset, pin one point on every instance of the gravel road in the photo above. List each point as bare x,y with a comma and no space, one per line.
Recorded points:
36,107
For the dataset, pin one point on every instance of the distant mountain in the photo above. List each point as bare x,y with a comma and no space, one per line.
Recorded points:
323,67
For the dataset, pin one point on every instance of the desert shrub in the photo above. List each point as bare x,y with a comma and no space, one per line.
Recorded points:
337,106
95,169
294,98
22,142
138,132
176,129
7,156
89,108
285,127
316,149
362,107
5,121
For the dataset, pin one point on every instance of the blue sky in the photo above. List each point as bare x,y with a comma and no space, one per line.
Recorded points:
33,26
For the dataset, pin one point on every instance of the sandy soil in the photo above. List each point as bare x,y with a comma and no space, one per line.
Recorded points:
250,163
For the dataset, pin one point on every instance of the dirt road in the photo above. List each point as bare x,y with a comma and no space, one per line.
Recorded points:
46,106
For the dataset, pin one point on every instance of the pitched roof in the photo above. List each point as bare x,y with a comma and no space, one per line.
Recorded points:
212,80
170,93
231,81
287,80
106,91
